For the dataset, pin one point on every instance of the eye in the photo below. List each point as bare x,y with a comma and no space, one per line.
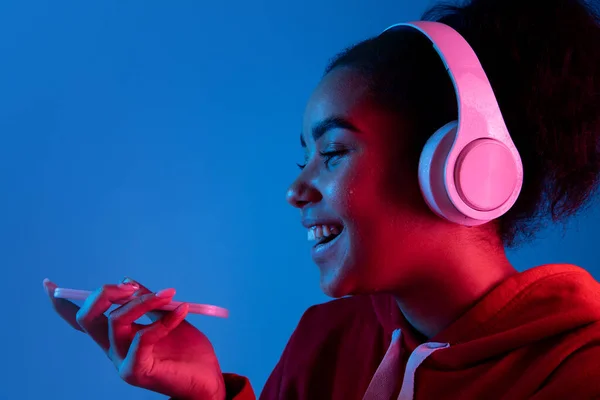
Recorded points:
328,157
333,155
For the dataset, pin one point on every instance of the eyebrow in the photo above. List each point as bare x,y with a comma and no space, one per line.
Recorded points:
335,122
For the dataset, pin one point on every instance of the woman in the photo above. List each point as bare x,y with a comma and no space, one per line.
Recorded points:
437,311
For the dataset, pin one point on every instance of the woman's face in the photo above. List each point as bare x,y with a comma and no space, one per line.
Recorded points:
357,181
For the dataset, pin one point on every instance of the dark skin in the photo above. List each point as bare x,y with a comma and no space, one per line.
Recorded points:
169,356
391,243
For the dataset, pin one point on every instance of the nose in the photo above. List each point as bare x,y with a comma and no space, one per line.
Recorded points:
300,194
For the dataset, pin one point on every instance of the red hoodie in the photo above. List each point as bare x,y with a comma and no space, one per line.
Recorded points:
535,336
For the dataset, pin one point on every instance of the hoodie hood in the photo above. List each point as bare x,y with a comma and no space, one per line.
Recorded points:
528,307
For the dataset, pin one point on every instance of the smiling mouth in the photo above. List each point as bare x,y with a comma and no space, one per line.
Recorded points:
332,234
327,239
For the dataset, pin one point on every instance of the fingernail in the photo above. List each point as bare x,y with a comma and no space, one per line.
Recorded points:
129,285
165,293
128,280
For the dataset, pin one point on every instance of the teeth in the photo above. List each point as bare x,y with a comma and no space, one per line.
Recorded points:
320,231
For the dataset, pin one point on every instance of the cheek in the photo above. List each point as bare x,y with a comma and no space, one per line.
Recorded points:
355,193
399,186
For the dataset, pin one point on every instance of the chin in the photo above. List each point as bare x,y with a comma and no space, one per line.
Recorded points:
344,282
333,286
338,290
333,291
339,283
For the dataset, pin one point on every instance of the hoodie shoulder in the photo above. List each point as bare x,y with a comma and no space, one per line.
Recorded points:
322,356
578,376
341,311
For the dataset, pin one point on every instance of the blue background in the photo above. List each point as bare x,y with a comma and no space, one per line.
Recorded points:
156,140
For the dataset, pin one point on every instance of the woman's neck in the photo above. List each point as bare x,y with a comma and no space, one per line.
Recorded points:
451,284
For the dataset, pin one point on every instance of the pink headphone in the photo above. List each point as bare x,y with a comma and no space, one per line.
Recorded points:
470,171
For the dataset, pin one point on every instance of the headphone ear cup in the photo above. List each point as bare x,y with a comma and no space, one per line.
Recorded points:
432,170
486,176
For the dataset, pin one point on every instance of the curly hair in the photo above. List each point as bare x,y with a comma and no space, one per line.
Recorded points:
543,62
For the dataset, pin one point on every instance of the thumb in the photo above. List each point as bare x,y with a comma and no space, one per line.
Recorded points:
141,352
153,315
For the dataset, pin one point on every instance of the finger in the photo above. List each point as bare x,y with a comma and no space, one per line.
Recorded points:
141,350
133,310
64,308
120,321
91,315
154,315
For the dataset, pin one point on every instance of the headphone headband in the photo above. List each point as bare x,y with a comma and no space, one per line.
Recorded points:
471,195
474,93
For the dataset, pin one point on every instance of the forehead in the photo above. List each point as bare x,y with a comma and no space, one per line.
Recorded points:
342,92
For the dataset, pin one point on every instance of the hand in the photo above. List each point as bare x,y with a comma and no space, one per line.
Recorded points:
169,356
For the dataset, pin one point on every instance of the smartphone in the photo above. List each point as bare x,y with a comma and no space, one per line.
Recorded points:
194,308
